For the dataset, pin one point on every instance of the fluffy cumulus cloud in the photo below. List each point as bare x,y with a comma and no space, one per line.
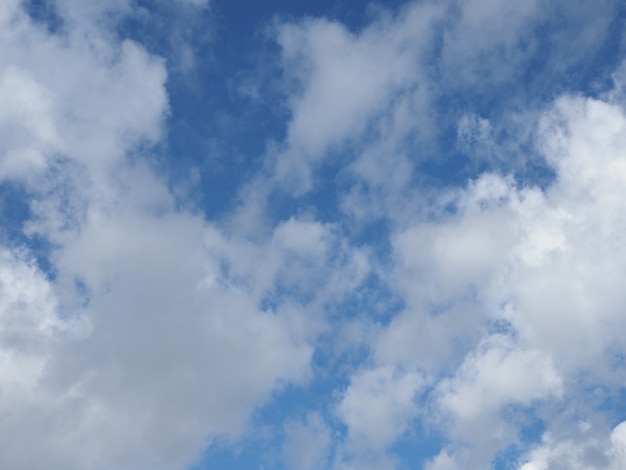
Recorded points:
511,287
423,269
583,451
147,335
540,268
377,406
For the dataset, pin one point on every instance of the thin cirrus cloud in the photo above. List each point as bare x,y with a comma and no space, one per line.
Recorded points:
423,269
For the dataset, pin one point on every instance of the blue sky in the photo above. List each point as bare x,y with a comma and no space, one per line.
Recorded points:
312,235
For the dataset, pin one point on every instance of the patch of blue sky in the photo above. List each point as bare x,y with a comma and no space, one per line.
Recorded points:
332,366
247,455
610,401
222,134
15,212
417,445
45,13
374,299
529,430
244,18
217,132
263,449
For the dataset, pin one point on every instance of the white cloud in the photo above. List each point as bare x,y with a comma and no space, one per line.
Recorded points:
377,407
307,443
485,32
196,3
171,345
500,372
28,325
416,339
177,354
448,258
340,81
443,461
302,238
589,449
91,18
511,290
27,124
156,331
86,98
544,265
516,292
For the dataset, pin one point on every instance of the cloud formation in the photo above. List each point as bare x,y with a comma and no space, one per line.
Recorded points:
425,271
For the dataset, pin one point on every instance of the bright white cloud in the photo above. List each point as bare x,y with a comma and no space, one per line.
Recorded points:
28,325
589,449
89,98
172,345
377,408
511,290
28,127
547,266
499,373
